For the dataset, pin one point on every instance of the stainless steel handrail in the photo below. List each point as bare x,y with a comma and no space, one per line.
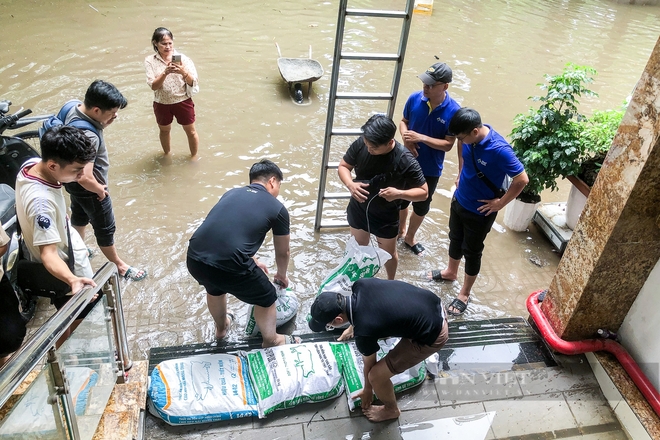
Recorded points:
30,354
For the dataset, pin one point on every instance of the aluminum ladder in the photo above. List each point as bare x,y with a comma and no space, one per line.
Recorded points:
390,96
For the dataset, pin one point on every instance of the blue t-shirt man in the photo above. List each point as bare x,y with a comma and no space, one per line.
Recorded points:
425,132
475,205
495,159
431,122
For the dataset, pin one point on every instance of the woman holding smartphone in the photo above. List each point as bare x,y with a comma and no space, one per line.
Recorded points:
173,78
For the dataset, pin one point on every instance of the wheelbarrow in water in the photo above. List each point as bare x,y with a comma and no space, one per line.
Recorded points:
299,70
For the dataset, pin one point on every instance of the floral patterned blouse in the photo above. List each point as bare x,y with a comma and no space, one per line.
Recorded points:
174,88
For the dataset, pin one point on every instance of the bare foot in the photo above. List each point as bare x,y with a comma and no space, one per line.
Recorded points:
194,158
228,322
380,413
165,159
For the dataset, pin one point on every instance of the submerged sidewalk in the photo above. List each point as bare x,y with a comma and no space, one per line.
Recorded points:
496,380
563,401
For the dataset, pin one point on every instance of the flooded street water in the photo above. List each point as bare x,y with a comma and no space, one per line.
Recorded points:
498,50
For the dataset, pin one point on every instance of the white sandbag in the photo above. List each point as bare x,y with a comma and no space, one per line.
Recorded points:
200,389
358,262
286,305
32,417
352,366
288,375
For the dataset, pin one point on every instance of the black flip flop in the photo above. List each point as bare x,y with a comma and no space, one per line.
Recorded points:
458,305
436,275
416,249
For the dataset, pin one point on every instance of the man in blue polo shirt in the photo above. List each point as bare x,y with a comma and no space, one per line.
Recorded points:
487,158
424,129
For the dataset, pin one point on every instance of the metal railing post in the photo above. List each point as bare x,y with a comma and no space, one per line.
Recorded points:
62,392
115,307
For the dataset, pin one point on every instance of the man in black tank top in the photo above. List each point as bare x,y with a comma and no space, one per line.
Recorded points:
380,309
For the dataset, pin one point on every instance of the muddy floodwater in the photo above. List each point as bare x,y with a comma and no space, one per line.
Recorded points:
499,51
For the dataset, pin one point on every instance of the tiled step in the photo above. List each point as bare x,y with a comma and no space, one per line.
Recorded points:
508,341
124,414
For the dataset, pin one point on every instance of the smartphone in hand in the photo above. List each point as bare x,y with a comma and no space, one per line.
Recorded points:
176,59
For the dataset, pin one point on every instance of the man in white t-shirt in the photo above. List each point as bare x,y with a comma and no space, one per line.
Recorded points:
41,206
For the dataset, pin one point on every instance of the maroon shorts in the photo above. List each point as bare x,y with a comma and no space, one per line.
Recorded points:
183,111
408,353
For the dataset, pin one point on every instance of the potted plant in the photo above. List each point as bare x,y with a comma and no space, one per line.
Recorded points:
596,138
547,140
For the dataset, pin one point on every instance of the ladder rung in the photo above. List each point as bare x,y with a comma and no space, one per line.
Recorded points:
346,132
375,13
360,95
369,56
336,224
337,196
332,166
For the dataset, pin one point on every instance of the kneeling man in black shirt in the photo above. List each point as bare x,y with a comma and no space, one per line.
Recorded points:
376,311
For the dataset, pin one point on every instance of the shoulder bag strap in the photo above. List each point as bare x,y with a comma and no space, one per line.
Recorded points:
482,176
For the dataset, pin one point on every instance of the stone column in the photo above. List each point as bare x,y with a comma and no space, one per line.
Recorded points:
616,243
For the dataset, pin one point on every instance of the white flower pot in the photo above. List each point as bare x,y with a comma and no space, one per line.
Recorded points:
574,206
517,215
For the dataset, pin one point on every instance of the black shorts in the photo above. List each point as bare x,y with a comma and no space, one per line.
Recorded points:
383,224
89,209
423,208
252,287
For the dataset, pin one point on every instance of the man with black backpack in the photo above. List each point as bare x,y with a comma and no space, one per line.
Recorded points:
90,200
485,159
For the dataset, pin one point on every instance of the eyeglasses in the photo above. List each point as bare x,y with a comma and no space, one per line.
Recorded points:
430,86
460,138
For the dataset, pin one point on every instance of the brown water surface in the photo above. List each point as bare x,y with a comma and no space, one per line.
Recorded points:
499,51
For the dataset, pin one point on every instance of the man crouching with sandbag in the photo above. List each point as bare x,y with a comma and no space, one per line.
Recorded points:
374,310
221,252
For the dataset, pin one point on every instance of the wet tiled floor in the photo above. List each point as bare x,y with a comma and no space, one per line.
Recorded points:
564,401
486,390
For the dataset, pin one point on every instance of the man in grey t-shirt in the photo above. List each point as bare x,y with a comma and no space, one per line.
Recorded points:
90,200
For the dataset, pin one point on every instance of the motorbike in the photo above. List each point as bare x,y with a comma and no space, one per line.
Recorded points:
14,151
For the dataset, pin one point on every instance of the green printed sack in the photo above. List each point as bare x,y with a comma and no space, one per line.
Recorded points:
358,262
352,368
286,307
288,375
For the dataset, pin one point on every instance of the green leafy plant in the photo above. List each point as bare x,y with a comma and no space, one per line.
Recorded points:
596,137
547,139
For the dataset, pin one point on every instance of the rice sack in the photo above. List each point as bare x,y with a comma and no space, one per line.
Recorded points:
288,375
200,389
352,366
357,262
286,306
